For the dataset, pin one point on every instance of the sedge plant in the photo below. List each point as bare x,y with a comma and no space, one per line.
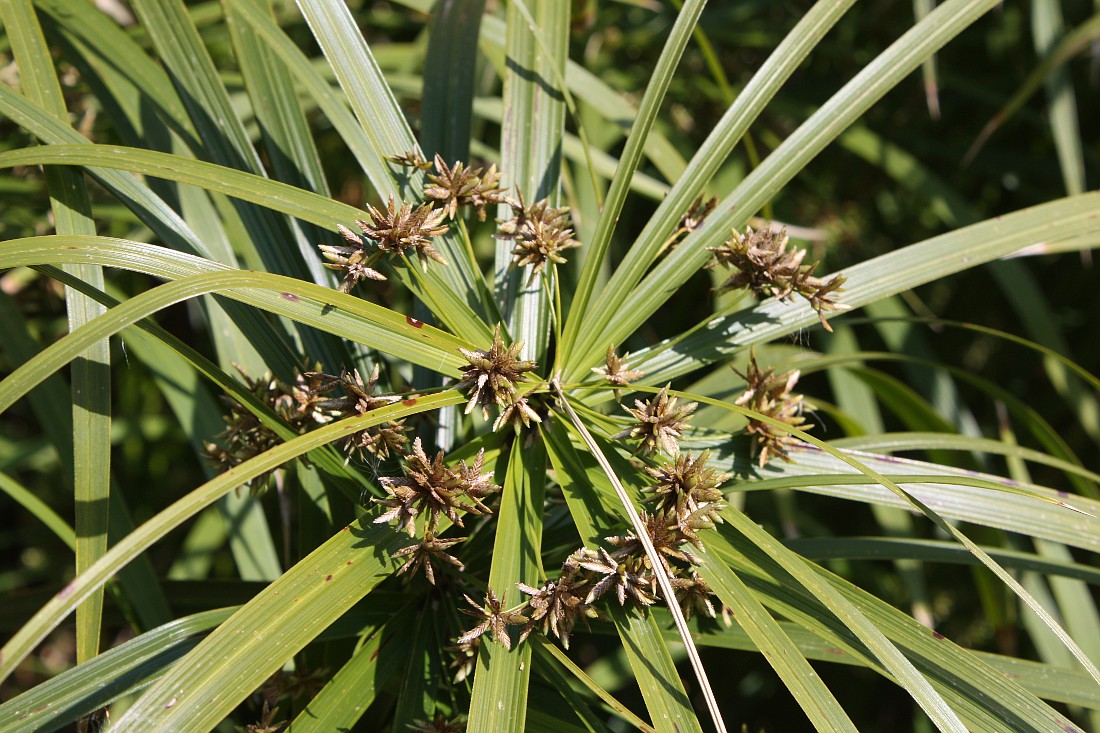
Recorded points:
449,440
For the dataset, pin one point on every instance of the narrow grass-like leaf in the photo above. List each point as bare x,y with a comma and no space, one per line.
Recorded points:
552,658
804,684
90,374
870,281
39,509
341,702
530,155
954,672
631,156
1066,49
730,129
76,692
893,548
173,516
258,639
322,308
449,79
499,698
949,529
287,138
655,562
461,276
627,314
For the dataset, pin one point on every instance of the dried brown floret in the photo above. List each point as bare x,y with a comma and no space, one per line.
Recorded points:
618,576
668,540
765,265
692,219
411,159
353,258
314,394
660,423
492,374
556,606
439,724
519,415
246,436
613,371
693,594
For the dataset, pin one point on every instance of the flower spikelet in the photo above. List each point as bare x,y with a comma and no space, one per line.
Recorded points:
246,436
324,397
431,487
765,265
492,374
493,618
422,554
400,228
660,423
614,371
462,185
352,258
688,488
771,394
622,577
539,232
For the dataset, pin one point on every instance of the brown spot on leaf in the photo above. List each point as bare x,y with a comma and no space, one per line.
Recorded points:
291,297
413,322
328,578
409,402
348,562
938,635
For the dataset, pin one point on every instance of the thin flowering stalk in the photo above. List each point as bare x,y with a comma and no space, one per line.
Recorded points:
659,572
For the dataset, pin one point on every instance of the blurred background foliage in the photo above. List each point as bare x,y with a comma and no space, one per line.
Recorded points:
903,174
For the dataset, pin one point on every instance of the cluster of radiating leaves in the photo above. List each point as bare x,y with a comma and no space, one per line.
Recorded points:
539,233
314,399
771,394
492,377
659,423
763,264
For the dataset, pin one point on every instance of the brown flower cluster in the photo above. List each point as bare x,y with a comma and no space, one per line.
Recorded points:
539,233
770,394
430,487
615,371
660,423
685,498
765,265
461,185
392,231
491,378
314,399
692,219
